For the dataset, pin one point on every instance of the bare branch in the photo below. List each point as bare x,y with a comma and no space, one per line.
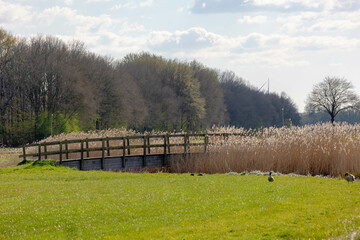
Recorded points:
332,96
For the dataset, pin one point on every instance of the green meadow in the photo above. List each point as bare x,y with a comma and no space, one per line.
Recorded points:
51,202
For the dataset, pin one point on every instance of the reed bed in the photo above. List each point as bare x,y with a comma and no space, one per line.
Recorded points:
322,149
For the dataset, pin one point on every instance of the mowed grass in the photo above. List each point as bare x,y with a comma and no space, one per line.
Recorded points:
59,203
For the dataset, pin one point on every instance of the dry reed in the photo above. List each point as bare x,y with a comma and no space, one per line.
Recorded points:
322,149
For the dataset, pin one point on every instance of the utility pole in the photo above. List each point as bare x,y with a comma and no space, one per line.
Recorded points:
282,116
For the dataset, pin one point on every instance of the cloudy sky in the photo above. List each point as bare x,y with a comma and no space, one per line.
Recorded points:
294,43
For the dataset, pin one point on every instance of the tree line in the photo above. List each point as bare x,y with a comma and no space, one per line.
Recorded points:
48,87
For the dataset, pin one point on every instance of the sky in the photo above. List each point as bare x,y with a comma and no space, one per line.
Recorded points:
292,43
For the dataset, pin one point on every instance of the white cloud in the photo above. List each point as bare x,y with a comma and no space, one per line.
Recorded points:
334,25
68,2
101,34
147,3
323,22
193,39
131,27
107,35
124,5
221,6
298,22
336,64
78,21
132,5
253,49
15,15
309,4
251,20
95,1
159,37
184,9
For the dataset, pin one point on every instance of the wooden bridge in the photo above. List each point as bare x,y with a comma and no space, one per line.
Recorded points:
116,153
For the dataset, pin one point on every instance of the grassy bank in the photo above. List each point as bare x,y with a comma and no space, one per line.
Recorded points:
58,203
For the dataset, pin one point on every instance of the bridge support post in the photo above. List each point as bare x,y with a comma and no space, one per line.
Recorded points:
39,149
123,155
61,152
144,154
82,155
24,153
165,154
206,141
102,153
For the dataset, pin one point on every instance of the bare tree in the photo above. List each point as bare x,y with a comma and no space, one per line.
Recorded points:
332,96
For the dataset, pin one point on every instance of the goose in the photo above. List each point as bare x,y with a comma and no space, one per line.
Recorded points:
349,177
270,178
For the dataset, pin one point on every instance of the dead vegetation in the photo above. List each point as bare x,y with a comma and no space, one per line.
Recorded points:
321,149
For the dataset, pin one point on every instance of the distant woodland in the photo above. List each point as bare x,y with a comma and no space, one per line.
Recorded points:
48,86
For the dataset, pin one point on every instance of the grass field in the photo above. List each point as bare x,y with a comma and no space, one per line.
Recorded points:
47,202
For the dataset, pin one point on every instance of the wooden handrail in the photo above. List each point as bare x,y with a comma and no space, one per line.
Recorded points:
125,144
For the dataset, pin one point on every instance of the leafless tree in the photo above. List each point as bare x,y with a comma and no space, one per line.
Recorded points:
332,96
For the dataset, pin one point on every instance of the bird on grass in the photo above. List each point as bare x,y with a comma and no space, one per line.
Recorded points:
270,178
349,177
200,174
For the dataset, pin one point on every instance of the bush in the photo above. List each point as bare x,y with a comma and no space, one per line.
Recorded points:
45,163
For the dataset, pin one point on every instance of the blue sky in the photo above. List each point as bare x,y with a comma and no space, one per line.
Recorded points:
294,43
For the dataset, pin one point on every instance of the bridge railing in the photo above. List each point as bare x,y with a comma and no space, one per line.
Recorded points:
119,146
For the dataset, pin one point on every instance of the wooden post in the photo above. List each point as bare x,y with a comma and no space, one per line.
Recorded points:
185,147
165,157
123,158
103,153
185,143
24,153
60,155
82,155
144,154
108,145
45,150
87,148
168,143
148,143
128,144
39,152
188,143
66,149
206,141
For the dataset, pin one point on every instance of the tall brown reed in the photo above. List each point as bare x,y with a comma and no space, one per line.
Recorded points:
321,149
